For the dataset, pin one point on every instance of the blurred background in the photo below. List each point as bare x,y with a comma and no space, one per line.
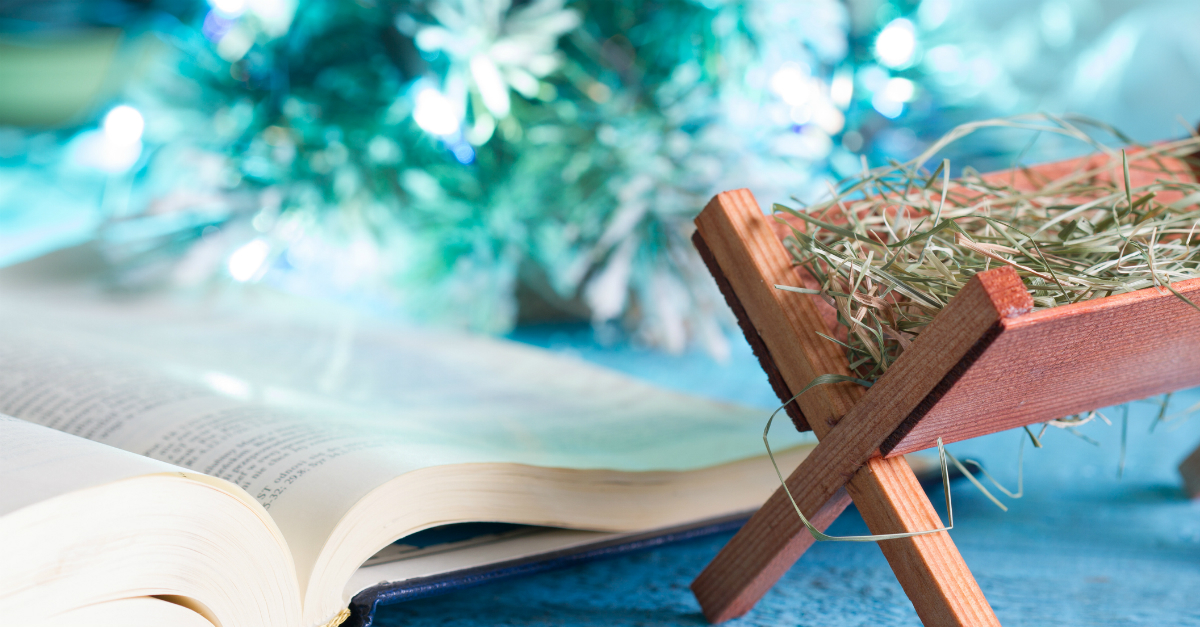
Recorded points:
482,164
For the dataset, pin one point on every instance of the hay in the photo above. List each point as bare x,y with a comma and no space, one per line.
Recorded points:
889,248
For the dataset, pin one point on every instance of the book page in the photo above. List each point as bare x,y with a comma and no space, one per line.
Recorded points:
38,464
309,416
83,524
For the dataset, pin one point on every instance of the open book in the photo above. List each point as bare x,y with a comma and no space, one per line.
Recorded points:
175,463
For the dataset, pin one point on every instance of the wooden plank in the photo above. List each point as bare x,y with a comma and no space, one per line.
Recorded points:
1190,470
960,334
753,260
743,246
774,539
762,552
928,567
768,544
757,345
1142,172
1005,388
1066,360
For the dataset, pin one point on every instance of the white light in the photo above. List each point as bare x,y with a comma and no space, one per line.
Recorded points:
94,149
491,85
933,13
829,119
123,126
228,385
899,89
228,8
887,107
842,89
275,16
793,83
896,44
245,261
435,113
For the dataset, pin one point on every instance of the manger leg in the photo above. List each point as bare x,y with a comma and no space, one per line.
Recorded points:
762,551
740,247
929,567
1190,470
891,500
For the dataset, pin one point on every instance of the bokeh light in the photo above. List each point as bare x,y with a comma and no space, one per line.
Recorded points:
794,83
841,90
896,43
123,126
434,112
491,118
899,89
246,261
228,8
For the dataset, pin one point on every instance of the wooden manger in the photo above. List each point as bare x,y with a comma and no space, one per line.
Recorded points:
980,367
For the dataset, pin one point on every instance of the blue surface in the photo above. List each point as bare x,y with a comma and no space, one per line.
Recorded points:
1081,548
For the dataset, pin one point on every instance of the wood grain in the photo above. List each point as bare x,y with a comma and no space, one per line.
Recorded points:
1095,343
762,552
757,345
742,243
980,358
959,335
1066,360
775,538
1142,172
753,261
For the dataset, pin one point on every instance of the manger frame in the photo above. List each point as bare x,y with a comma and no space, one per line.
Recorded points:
976,369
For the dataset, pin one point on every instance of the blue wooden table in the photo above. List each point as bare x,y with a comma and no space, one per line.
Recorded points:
1082,547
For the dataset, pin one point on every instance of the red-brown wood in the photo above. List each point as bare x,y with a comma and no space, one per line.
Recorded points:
1066,360
740,246
756,558
1142,172
973,371
1008,384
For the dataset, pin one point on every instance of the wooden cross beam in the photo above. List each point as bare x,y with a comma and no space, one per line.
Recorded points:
978,368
